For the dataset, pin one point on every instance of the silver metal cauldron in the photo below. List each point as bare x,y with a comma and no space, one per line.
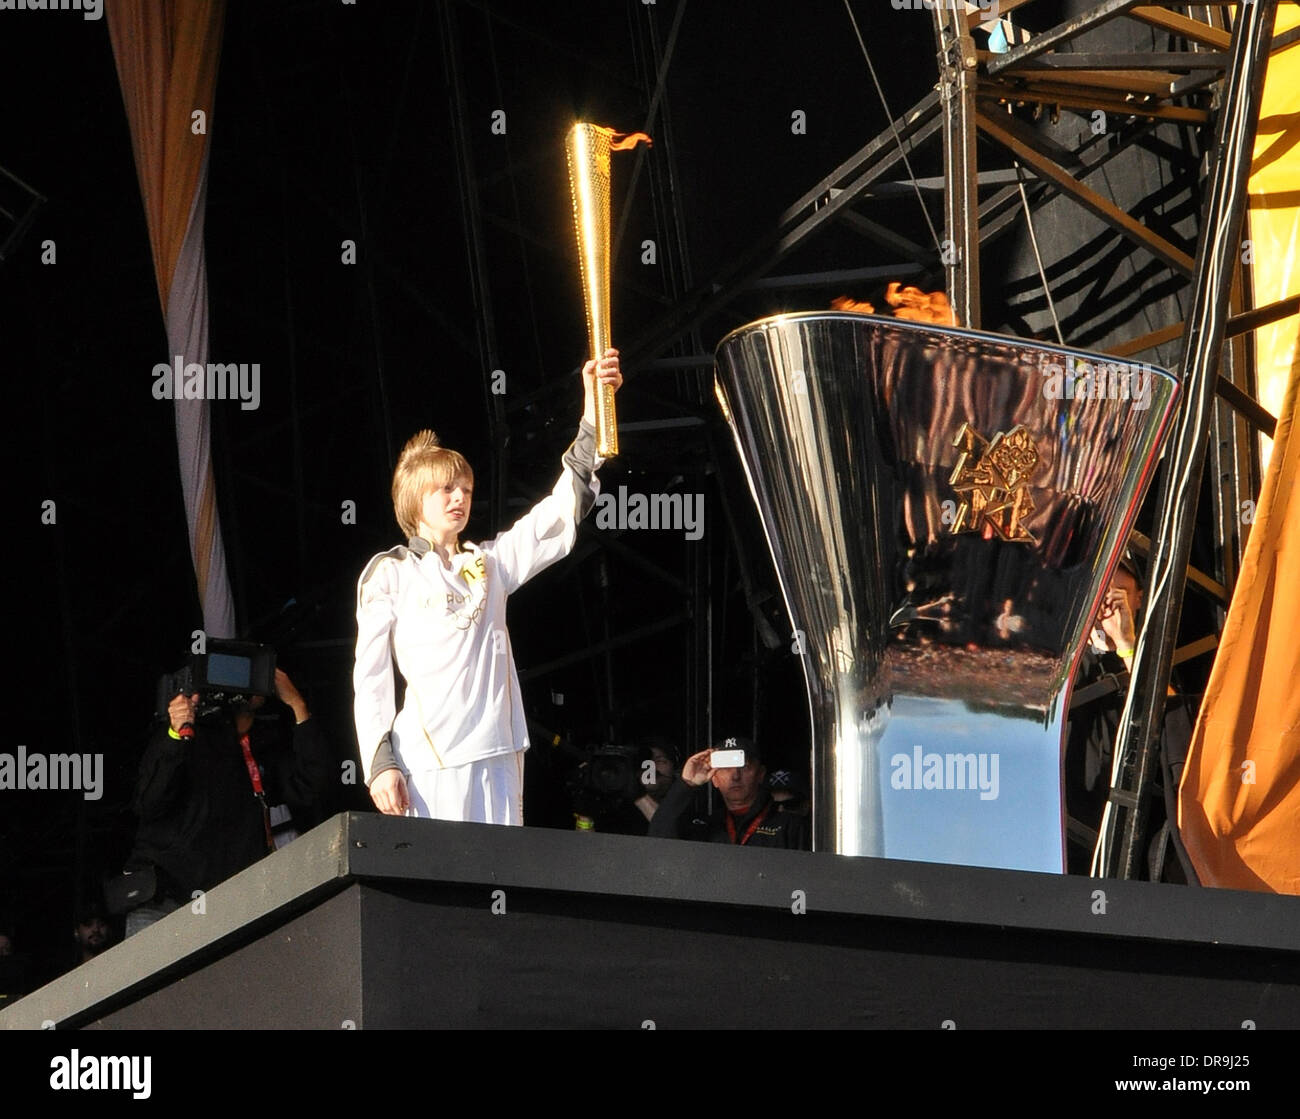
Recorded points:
944,509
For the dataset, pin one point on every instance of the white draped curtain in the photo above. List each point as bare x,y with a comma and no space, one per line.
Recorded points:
167,53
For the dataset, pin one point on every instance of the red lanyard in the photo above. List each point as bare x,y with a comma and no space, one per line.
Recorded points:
255,775
753,826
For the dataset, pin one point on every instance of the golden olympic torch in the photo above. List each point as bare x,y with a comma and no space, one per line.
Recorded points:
587,148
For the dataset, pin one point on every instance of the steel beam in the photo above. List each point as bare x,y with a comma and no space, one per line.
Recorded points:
1005,8
1061,33
886,237
1196,578
1112,101
1262,316
1118,60
20,220
1238,324
1188,28
1281,42
1246,405
1111,214
960,253
1197,648
864,159
1003,210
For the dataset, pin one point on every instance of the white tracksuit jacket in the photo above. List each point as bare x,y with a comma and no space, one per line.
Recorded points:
446,628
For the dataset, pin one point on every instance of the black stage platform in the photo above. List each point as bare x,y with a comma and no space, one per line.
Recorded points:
374,922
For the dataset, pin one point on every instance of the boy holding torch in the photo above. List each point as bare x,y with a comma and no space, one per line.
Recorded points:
437,607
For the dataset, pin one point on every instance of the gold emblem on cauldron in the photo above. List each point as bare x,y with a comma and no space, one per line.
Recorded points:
991,479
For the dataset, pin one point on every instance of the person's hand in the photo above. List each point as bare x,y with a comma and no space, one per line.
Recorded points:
606,371
697,770
1116,620
388,791
291,696
182,710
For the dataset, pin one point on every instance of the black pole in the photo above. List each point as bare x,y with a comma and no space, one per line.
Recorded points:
957,86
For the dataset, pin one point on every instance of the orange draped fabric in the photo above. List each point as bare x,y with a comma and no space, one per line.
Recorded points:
1239,799
167,53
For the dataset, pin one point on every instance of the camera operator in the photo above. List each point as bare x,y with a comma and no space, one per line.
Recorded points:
747,816
618,790
205,792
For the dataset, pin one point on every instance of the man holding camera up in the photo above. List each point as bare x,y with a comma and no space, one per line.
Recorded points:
747,816
210,793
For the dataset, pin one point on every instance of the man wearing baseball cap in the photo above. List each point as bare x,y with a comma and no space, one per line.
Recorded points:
742,814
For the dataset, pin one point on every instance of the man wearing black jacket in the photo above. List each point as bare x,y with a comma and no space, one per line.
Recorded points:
1096,707
1095,713
744,813
207,804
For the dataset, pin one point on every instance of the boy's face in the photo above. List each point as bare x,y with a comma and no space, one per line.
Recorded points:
445,510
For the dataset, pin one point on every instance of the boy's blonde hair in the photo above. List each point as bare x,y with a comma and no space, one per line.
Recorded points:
424,465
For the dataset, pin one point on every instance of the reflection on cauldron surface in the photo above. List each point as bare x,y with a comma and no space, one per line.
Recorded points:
1011,682
960,785
942,508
